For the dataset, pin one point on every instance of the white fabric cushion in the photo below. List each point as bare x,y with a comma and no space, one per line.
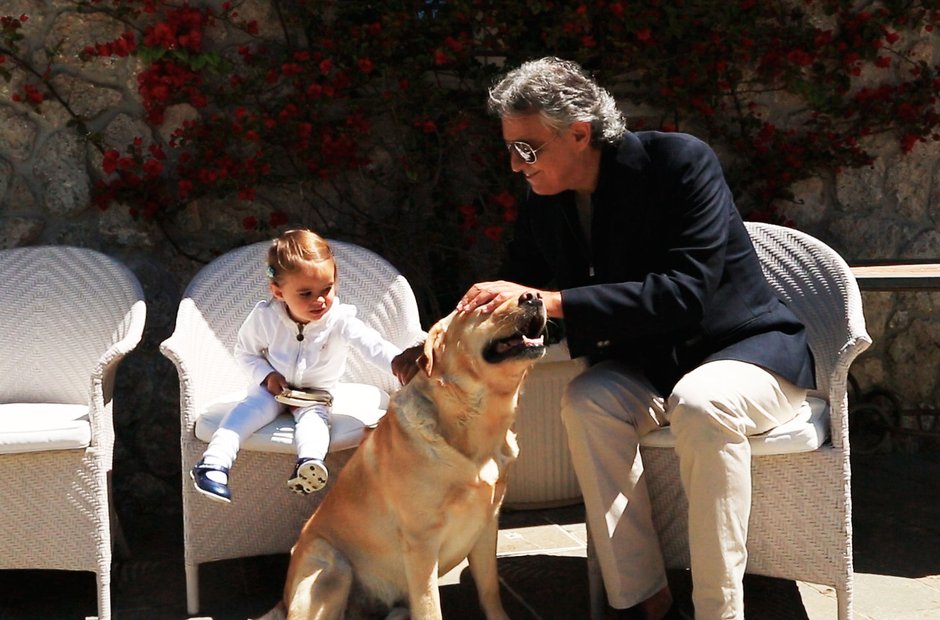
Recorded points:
804,433
36,427
356,407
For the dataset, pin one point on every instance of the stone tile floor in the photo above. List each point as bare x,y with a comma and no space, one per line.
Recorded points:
542,566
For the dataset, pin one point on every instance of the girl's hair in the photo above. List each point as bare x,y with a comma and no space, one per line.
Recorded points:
295,249
563,93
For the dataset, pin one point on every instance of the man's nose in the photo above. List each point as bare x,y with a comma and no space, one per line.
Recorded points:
516,163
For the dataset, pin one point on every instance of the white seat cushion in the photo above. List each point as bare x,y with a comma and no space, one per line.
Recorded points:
36,427
356,407
804,433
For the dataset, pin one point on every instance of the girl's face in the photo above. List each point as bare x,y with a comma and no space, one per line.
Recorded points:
308,293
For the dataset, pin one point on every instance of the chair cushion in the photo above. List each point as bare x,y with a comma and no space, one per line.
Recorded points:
356,407
806,432
36,427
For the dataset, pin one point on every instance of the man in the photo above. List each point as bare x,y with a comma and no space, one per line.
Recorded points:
634,240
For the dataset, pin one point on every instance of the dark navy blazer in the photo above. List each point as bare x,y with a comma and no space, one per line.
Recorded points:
670,279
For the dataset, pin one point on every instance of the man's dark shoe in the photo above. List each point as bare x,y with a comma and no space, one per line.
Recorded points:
631,613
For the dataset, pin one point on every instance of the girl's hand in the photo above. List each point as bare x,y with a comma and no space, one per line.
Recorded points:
275,383
405,364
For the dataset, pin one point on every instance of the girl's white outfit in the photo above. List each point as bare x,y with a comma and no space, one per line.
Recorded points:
308,356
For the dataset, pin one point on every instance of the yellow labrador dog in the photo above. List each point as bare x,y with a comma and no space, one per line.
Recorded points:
423,490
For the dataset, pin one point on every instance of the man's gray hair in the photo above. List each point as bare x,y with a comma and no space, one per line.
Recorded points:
562,93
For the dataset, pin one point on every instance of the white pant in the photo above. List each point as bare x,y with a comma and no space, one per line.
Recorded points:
311,428
712,410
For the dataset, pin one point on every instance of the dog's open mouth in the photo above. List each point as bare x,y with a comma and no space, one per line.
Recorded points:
527,341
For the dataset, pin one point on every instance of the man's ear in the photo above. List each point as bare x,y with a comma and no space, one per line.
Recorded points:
581,132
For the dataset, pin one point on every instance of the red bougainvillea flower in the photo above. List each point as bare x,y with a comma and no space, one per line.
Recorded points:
153,167
908,142
184,187
109,161
494,233
33,94
277,218
306,98
366,65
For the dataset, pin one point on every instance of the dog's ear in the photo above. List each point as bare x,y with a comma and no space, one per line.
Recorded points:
432,347
425,363
434,344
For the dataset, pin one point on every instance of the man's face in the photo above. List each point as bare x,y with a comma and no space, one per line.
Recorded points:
555,168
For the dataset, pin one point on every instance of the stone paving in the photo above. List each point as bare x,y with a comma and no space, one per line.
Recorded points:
542,566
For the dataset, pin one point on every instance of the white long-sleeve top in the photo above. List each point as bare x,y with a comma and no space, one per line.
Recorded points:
311,355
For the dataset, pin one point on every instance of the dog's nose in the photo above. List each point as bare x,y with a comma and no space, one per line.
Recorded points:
530,299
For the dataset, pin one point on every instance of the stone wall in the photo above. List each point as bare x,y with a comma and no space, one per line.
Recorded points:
889,210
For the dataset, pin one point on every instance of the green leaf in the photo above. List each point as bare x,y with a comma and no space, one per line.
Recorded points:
150,54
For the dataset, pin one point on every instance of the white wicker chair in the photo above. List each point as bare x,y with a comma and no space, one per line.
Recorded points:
801,514
67,318
264,516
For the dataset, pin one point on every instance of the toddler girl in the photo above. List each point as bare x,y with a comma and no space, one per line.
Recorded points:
296,340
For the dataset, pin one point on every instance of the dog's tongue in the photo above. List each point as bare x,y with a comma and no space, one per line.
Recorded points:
519,340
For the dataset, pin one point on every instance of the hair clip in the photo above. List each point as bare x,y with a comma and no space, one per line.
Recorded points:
270,272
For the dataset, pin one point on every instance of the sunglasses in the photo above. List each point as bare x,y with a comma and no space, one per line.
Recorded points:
526,152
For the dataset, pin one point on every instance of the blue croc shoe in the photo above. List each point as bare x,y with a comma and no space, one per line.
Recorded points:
211,481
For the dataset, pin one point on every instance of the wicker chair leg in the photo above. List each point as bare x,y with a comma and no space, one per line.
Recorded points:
103,579
192,589
844,602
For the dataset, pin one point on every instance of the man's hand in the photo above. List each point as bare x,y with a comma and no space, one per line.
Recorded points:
405,364
487,296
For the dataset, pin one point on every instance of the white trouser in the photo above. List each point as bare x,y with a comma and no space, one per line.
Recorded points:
712,410
311,428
